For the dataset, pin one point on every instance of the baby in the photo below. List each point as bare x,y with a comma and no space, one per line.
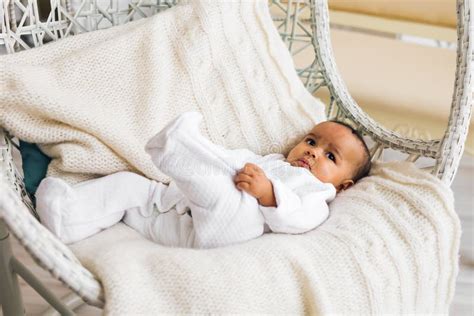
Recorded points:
217,196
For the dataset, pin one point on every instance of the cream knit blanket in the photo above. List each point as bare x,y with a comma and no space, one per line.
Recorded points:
92,101
390,245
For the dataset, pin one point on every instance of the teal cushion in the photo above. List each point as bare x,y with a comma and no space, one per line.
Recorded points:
35,165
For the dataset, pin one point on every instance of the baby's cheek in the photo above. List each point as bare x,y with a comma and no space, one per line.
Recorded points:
327,173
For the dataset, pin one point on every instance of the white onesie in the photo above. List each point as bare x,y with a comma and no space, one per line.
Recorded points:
200,208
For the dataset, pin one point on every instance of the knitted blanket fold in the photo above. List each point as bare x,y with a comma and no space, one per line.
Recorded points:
93,100
390,246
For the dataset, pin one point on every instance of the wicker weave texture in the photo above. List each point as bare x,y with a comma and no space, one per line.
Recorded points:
452,145
44,247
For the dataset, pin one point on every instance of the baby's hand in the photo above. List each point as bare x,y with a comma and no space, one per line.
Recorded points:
253,180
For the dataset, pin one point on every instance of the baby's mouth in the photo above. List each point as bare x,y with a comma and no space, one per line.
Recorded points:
303,163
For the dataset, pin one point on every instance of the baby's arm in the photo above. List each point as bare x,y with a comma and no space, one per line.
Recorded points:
298,210
253,180
286,210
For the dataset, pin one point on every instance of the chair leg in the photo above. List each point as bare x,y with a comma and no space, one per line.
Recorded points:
10,294
72,301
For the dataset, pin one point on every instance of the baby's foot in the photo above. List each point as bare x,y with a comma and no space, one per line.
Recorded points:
186,123
168,149
52,197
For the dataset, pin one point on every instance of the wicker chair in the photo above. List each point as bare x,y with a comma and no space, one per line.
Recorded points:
22,27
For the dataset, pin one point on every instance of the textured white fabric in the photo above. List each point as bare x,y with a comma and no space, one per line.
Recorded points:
390,245
91,101
202,180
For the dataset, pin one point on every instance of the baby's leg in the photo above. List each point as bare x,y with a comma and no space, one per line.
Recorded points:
204,173
194,162
76,212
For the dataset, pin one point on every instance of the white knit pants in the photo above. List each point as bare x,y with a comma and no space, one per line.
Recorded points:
202,175
204,172
76,212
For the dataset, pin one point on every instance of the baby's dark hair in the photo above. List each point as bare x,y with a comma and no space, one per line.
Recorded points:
364,167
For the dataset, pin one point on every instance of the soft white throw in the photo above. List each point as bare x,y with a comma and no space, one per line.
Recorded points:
92,101
390,245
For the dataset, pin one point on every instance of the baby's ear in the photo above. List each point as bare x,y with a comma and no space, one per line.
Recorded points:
346,184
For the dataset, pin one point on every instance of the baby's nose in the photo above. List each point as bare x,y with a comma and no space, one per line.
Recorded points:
315,152
311,153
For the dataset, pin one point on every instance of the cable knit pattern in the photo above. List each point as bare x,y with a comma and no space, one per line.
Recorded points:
389,246
92,101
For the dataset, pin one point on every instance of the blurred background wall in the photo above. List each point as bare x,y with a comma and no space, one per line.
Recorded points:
398,60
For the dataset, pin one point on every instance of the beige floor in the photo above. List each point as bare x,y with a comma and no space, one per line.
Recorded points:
463,187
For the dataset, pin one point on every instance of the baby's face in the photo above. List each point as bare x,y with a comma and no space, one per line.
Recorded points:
331,152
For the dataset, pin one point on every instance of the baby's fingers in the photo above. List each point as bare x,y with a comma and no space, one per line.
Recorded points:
243,186
242,177
250,169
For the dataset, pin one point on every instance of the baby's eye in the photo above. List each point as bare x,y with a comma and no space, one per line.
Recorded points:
331,156
310,141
